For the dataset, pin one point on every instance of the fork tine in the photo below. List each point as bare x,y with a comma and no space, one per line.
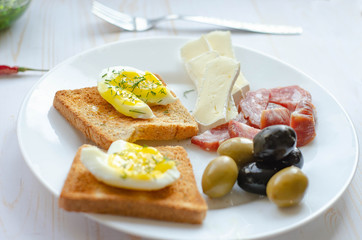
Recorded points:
105,17
112,13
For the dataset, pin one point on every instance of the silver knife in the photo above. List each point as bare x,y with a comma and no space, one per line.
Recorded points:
249,27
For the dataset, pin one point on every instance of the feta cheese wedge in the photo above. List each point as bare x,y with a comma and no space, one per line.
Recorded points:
213,100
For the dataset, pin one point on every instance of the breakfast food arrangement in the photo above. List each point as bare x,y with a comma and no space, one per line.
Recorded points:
97,119
255,136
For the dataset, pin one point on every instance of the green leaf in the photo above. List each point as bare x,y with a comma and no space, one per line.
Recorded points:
187,92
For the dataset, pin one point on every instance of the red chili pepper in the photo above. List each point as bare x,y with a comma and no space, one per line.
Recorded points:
6,70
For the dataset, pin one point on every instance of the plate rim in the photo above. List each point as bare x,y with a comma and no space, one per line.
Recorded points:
305,220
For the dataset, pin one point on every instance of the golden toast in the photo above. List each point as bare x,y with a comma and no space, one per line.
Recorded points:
87,111
179,202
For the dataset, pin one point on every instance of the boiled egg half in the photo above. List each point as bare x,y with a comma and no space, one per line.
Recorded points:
131,166
132,91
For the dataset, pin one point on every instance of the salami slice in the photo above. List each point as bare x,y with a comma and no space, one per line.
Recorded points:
284,105
289,96
253,104
240,118
238,129
303,122
211,139
274,114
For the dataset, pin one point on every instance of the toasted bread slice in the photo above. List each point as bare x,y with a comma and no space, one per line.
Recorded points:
179,202
87,111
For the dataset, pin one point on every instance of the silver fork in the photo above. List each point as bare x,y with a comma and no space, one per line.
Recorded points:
138,24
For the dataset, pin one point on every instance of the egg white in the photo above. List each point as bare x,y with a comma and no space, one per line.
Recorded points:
139,110
95,160
114,72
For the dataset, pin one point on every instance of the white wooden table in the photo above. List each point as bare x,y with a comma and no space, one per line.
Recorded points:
329,50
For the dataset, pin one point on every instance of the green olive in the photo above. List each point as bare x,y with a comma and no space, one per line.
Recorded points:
219,176
287,187
240,149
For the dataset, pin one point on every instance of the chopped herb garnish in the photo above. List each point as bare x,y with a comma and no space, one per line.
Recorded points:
165,111
136,111
141,79
153,93
148,169
104,75
124,175
187,92
162,91
166,158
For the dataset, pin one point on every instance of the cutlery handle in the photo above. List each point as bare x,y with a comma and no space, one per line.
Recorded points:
249,27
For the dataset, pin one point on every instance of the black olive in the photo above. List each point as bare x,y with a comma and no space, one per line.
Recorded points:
294,158
274,142
253,179
254,176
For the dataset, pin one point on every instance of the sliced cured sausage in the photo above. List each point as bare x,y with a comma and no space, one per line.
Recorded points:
285,105
274,114
253,104
240,118
273,106
303,122
211,139
238,129
289,96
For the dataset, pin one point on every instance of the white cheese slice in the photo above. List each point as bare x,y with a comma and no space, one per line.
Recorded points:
196,67
194,48
198,53
240,88
220,41
213,100
232,110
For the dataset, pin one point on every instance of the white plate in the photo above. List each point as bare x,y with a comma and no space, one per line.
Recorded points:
49,143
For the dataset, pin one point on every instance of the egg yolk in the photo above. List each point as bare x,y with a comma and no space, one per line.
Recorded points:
146,87
124,101
132,92
138,162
